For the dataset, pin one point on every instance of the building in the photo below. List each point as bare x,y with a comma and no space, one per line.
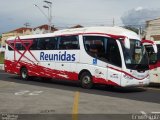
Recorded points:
43,29
26,31
16,32
153,29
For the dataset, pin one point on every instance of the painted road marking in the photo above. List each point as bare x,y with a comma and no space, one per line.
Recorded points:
155,112
21,92
75,106
143,112
35,93
27,92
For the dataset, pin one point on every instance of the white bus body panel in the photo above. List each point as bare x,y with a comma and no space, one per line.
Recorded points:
102,72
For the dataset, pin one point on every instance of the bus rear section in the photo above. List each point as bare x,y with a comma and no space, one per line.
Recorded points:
97,55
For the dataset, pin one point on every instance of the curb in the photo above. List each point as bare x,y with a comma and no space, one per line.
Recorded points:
1,66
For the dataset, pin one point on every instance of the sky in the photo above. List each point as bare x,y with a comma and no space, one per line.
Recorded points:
67,13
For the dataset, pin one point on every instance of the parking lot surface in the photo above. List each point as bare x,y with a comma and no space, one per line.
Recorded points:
60,98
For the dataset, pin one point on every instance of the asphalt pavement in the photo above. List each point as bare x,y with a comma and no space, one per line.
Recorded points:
39,99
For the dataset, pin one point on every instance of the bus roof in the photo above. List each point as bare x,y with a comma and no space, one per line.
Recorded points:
119,31
157,42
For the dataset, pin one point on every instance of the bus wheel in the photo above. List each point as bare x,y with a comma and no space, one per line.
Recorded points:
86,80
24,73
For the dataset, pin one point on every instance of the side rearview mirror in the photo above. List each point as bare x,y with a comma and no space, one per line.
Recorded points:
153,58
155,48
127,43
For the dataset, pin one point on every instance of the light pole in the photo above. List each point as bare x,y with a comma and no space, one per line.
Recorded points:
49,16
49,7
41,11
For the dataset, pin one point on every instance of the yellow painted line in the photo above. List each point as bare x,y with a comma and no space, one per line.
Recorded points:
75,106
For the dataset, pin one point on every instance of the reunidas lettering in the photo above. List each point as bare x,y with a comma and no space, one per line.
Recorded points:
57,57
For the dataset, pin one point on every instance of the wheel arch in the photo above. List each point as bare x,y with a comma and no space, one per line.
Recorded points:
82,71
23,66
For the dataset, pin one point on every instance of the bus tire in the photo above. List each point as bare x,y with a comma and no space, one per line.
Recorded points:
86,80
24,73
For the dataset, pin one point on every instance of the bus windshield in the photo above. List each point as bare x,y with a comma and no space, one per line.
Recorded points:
135,57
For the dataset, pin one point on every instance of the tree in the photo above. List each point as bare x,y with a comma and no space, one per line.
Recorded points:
134,29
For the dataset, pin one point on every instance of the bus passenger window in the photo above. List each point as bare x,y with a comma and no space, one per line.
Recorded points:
19,46
93,51
51,43
103,48
9,48
113,53
34,44
158,54
41,44
95,46
68,43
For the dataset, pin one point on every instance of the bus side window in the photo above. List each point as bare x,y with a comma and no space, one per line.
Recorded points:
34,44
93,51
158,54
51,43
9,48
153,57
41,44
48,43
19,46
113,53
68,43
95,46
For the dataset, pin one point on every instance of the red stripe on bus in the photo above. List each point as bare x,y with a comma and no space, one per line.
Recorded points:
40,71
127,73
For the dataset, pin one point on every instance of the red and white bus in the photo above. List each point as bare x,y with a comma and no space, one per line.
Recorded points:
103,55
153,50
